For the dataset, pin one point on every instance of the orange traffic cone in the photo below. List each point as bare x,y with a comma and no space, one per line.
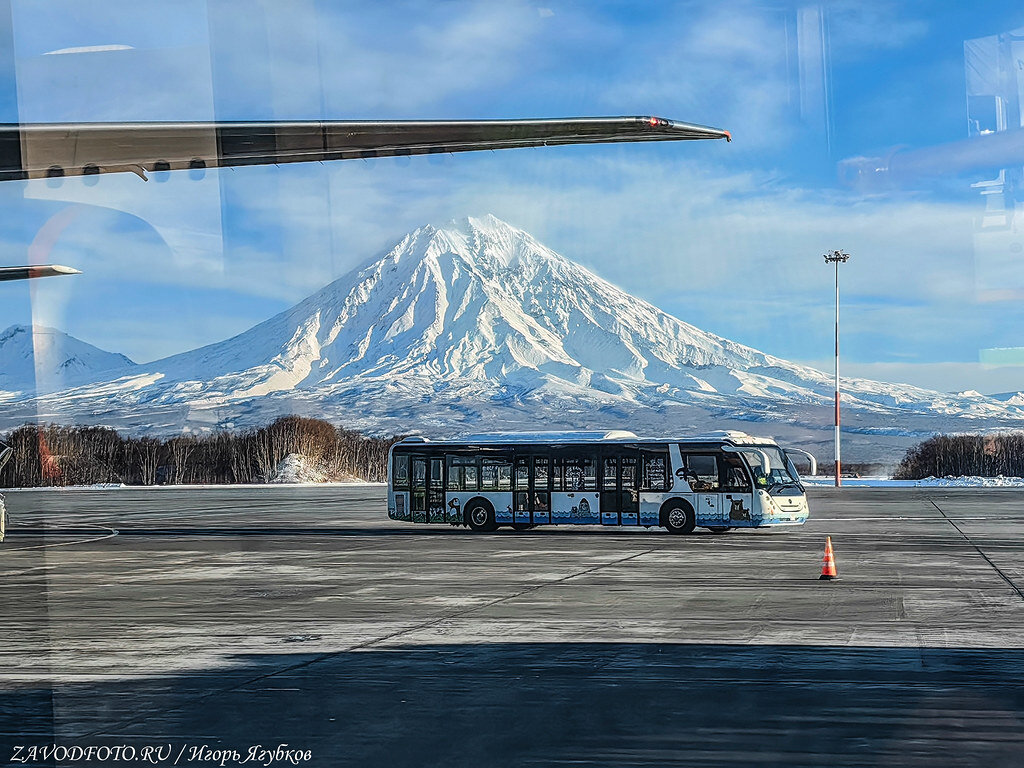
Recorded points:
828,563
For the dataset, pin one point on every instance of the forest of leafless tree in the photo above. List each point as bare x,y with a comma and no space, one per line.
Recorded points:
957,455
59,456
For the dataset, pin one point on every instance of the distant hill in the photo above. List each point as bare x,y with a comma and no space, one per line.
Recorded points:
51,360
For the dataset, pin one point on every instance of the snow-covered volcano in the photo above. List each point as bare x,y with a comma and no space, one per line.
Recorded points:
477,325
45,359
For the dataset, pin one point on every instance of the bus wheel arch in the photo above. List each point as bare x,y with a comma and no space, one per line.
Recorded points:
678,516
479,514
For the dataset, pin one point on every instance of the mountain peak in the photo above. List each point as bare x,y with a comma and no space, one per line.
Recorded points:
482,241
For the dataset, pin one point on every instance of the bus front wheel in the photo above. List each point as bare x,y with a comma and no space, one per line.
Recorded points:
679,519
480,516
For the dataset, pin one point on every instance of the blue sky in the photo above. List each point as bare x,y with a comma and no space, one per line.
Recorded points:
728,237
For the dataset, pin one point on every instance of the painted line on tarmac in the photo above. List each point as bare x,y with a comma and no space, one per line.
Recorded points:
112,533
995,567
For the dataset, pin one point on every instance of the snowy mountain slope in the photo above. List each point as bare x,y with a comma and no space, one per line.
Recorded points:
477,324
45,359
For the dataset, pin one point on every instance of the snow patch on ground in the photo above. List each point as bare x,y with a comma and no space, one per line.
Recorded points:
928,482
296,468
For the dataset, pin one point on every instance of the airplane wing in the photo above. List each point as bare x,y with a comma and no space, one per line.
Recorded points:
43,270
54,150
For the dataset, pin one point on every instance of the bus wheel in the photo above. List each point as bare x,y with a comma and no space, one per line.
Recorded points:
480,516
719,528
680,519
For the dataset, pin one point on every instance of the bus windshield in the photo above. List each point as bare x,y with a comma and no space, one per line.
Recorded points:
780,470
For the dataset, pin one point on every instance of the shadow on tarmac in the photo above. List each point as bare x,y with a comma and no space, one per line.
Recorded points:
585,704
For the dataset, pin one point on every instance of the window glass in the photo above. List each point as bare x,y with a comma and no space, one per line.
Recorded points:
702,471
419,472
540,473
609,472
522,474
488,477
628,472
461,473
558,474
495,475
470,478
590,474
655,472
734,474
400,472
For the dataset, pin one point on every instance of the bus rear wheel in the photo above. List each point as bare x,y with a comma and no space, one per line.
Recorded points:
679,519
480,516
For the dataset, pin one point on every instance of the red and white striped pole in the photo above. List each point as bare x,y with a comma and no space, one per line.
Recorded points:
834,257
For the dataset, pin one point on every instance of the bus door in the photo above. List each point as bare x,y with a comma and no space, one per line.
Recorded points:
620,498
737,490
610,496
532,502
540,490
521,490
629,491
418,494
435,490
702,475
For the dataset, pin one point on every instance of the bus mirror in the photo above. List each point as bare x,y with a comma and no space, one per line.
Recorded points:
810,458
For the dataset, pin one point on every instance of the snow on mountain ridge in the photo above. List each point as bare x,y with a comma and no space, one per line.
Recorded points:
480,300
477,321
37,358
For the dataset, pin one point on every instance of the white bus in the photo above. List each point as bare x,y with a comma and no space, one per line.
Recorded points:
719,481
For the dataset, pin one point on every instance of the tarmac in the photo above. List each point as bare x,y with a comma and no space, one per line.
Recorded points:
241,618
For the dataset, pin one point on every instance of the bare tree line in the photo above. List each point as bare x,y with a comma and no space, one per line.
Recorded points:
58,456
958,455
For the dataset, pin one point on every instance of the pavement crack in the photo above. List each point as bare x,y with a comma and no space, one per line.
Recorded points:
978,549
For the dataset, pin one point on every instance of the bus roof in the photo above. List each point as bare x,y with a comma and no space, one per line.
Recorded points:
729,437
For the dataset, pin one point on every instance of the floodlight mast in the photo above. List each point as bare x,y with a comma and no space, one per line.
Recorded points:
835,257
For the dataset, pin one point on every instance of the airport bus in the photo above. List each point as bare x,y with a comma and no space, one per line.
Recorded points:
719,481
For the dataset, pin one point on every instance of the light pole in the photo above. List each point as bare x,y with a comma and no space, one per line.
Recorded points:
834,257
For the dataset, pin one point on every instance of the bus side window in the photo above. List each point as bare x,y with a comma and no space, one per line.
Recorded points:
702,471
471,477
496,475
400,473
462,474
454,474
655,468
